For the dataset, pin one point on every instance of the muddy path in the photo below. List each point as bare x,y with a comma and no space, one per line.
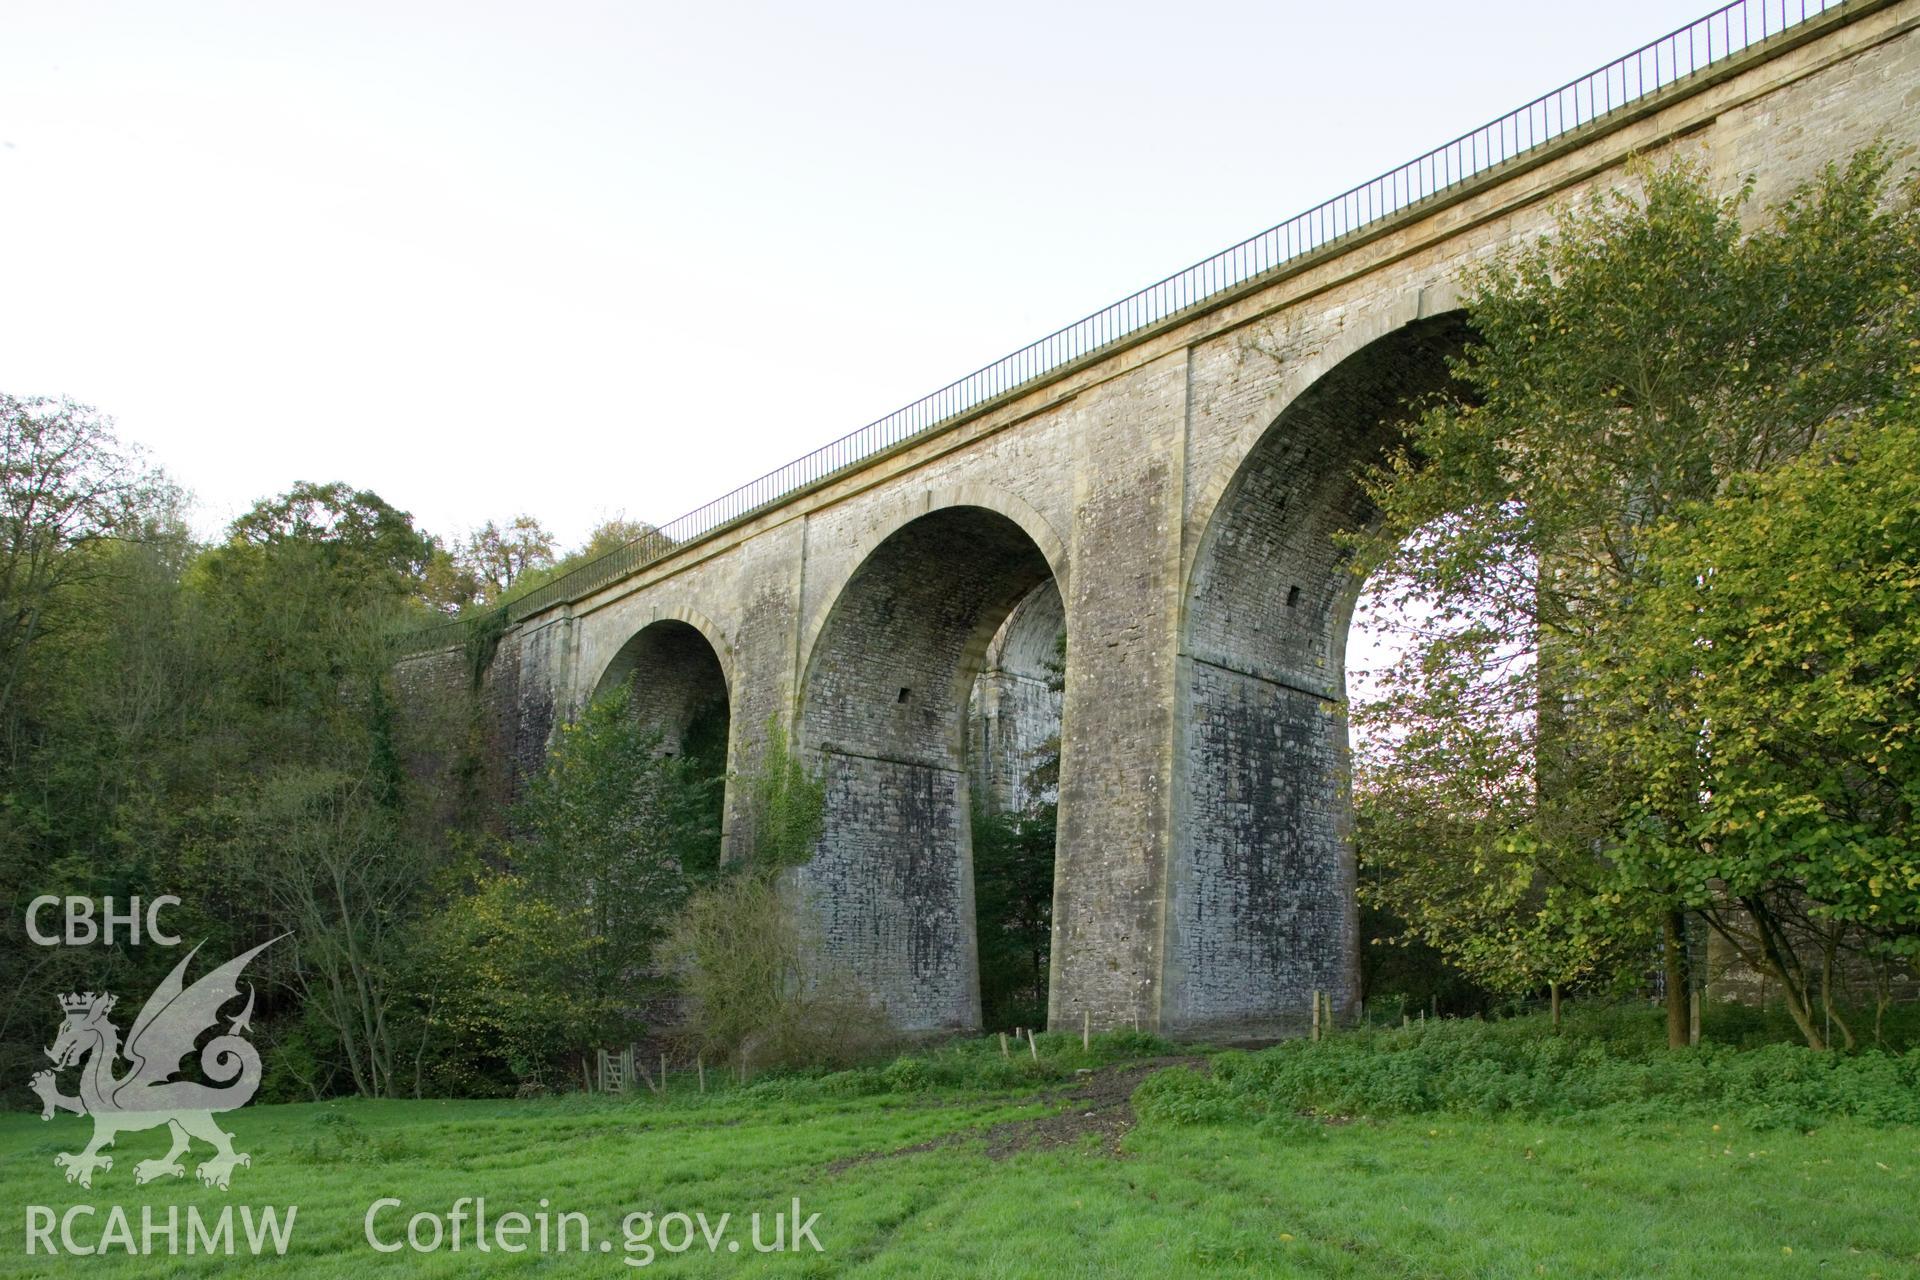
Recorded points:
1097,1102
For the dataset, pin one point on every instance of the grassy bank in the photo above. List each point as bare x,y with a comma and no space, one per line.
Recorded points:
1610,1065
965,1163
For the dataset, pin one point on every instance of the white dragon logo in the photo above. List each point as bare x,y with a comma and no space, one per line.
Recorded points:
147,1096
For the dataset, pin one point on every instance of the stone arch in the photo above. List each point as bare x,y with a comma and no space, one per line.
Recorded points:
677,673
898,515
1260,896
884,712
1429,302
619,666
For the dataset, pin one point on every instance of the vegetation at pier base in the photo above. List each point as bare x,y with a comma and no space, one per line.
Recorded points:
1609,1063
1659,546
1013,861
759,990
544,949
961,1162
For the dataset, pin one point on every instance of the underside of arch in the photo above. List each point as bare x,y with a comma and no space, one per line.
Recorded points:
675,679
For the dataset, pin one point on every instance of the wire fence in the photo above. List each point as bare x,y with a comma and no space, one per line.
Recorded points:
1594,97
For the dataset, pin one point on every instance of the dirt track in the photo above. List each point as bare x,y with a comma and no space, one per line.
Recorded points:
1096,1103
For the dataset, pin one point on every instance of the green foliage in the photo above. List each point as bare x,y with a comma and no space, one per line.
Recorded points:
605,538
510,982
1770,706
482,640
300,1059
1605,1064
67,487
1013,860
220,722
332,866
759,992
1653,357
703,747
621,832
1776,697
1013,871
215,723
787,805
342,1139
975,1065
496,562
944,1073
1402,974
366,544
740,957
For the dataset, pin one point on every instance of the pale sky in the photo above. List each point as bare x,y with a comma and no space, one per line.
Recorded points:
581,260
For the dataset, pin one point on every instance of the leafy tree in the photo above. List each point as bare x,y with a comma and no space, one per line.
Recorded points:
337,871
447,583
367,546
304,818
1453,859
611,535
218,723
507,976
1013,860
495,558
67,485
90,535
623,831
305,589
1625,370
1771,702
760,991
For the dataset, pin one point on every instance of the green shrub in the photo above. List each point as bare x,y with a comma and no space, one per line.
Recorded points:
1605,1062
759,991
907,1075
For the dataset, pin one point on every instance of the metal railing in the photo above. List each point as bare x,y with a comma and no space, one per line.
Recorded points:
1593,97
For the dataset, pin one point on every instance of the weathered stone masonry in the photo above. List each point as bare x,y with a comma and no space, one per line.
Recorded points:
1014,710
1181,491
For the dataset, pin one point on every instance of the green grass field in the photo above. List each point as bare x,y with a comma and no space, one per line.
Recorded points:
1046,1178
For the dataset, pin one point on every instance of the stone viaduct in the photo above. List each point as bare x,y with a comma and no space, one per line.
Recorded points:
1168,497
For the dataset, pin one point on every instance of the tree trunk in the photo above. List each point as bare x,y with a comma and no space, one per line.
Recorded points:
1675,950
1780,962
1553,996
1826,998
